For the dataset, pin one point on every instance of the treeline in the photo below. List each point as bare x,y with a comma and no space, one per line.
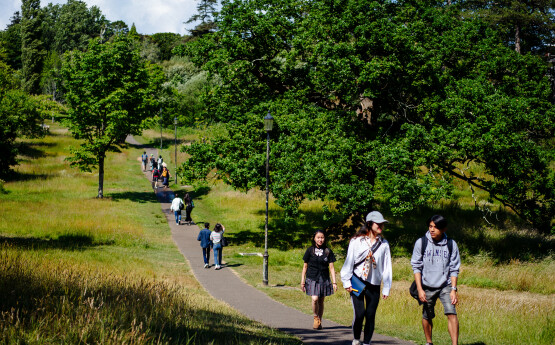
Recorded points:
39,50
384,103
377,103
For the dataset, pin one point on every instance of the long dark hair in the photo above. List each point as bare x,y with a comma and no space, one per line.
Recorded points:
314,235
187,199
218,227
363,231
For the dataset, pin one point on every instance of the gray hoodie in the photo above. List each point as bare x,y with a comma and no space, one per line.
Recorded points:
435,265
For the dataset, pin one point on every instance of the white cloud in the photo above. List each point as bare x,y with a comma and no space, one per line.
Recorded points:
149,16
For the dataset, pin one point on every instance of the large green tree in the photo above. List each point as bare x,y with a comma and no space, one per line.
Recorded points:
32,48
110,91
21,115
376,101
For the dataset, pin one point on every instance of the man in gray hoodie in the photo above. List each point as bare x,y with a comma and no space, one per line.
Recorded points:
436,262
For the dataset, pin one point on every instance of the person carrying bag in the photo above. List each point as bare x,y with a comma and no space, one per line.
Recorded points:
367,264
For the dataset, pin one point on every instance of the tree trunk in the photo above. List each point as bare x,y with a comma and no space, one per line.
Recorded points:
101,177
517,38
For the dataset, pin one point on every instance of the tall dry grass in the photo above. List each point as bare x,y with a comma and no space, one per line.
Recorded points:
74,269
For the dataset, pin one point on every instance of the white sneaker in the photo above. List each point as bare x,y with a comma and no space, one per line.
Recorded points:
206,266
356,342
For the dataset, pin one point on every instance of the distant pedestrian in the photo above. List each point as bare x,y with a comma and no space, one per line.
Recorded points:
155,176
176,207
205,244
153,162
160,161
368,260
144,158
436,262
318,277
189,205
216,238
165,177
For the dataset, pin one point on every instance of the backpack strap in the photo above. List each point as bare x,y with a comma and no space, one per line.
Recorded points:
425,244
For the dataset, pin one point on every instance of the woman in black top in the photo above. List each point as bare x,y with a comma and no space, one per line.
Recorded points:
315,280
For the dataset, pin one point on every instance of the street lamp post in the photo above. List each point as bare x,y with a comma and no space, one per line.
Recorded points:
175,123
268,124
160,130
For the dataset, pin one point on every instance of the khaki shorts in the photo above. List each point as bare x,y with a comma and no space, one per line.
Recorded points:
444,295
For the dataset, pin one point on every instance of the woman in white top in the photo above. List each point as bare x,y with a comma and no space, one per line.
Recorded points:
368,258
216,238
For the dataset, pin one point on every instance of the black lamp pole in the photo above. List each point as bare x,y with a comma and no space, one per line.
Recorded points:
175,123
268,124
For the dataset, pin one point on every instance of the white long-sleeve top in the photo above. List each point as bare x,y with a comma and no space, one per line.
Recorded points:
357,252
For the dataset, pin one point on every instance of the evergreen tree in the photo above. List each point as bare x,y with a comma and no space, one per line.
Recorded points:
32,51
206,13
10,40
528,25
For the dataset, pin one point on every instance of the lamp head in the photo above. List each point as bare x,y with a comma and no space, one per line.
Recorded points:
268,122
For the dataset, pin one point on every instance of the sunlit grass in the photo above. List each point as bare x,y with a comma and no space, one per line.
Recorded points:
502,302
76,269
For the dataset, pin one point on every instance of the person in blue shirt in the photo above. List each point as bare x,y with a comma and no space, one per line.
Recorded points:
205,244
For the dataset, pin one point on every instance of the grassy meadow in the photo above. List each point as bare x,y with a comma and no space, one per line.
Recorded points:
507,280
75,269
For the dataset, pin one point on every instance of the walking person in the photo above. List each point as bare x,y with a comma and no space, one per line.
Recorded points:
165,176
144,158
152,162
205,243
216,238
435,263
160,161
176,207
189,205
155,176
368,260
318,276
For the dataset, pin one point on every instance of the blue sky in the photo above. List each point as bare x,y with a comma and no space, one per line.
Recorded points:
149,16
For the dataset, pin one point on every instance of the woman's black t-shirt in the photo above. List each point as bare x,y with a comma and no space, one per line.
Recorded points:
318,261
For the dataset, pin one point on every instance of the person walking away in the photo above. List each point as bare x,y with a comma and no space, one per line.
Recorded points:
216,238
144,158
155,176
315,279
176,207
160,161
436,263
205,243
369,259
165,177
152,162
189,205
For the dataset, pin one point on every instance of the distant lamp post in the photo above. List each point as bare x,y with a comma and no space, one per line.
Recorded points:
268,125
175,124
160,130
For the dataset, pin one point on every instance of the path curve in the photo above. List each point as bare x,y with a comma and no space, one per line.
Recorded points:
246,299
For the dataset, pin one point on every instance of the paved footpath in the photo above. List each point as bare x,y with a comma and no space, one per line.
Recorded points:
225,285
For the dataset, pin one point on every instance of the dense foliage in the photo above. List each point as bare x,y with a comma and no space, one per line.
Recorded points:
110,91
377,101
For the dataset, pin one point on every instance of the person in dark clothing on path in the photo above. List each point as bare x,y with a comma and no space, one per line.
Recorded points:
318,270
205,244
436,270
189,205
155,176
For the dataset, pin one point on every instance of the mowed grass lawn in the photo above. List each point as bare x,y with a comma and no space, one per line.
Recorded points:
75,269
502,301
